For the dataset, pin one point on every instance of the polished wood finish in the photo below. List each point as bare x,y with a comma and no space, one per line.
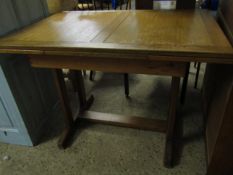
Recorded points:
125,121
191,35
117,65
149,42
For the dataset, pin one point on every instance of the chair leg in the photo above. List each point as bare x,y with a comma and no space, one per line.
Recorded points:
120,4
197,75
126,84
94,5
92,75
195,64
84,73
128,5
108,5
101,5
78,83
184,85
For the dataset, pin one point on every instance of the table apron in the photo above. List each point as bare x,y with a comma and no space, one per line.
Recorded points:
117,65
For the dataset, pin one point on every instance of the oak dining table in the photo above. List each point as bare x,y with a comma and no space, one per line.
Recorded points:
146,42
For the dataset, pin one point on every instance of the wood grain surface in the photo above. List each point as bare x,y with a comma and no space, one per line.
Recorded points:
187,34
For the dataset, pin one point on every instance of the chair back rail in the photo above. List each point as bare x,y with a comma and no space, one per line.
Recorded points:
102,4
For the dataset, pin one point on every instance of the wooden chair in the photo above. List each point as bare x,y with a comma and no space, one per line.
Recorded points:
101,4
105,5
84,5
197,65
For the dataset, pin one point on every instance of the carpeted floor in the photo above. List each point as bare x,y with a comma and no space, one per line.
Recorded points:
101,149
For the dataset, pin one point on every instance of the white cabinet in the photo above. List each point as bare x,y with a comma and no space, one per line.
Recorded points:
27,101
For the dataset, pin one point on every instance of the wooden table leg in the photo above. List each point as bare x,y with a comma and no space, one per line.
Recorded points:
65,102
126,84
171,122
184,85
62,92
85,104
78,83
197,75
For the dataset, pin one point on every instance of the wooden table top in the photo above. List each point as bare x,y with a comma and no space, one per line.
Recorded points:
187,35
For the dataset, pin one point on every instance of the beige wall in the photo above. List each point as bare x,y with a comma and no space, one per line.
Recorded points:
59,5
